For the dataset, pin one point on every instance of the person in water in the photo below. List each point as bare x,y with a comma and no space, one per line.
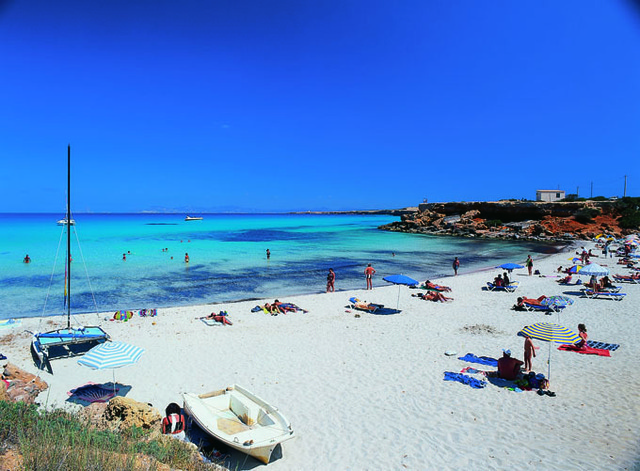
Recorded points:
186,258
27,259
331,279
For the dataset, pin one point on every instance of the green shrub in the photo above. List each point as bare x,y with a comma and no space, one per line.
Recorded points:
586,215
59,440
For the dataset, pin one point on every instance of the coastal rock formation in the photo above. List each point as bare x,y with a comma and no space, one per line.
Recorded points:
515,220
123,413
22,386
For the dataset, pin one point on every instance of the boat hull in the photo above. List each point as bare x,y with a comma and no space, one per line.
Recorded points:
240,420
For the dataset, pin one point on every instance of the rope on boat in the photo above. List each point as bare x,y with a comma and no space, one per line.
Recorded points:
55,261
95,304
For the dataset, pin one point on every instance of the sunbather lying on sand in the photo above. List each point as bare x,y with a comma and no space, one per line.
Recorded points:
433,286
435,296
521,301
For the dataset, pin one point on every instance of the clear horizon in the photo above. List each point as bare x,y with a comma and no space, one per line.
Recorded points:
276,106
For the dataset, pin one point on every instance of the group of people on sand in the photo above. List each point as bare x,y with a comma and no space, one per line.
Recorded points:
278,307
596,285
502,280
509,367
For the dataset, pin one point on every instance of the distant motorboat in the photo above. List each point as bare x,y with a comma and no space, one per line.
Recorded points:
193,218
63,222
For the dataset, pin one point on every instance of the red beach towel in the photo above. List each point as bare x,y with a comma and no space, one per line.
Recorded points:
585,350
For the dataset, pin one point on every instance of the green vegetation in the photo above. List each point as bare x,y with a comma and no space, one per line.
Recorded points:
586,215
629,209
59,440
493,223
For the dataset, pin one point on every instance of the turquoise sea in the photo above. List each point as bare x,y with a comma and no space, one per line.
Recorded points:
227,258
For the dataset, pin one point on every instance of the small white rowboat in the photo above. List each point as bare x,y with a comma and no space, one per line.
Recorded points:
239,419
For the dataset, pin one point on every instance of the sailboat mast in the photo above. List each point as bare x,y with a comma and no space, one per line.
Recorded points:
69,236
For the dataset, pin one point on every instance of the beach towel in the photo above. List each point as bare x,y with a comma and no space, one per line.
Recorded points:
603,345
92,392
471,358
585,350
2,357
148,312
464,379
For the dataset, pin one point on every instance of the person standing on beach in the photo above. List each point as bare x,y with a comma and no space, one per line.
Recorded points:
529,352
529,264
456,265
368,274
331,279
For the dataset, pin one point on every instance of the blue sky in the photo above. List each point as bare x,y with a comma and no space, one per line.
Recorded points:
276,105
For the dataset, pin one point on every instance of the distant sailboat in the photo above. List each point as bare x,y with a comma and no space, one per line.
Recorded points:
70,341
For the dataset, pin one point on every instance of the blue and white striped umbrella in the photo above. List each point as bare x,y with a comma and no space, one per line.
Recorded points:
110,355
552,333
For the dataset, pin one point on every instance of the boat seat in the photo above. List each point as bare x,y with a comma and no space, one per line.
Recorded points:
246,412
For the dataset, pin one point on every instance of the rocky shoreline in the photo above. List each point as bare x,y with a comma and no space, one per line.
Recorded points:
521,220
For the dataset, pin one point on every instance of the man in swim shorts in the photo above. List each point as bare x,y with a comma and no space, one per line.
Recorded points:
368,274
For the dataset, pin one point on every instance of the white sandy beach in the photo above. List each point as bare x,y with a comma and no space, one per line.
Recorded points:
368,392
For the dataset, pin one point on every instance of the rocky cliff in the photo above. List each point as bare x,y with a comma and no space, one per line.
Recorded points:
515,219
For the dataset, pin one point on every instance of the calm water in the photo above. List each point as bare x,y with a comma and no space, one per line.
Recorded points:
227,258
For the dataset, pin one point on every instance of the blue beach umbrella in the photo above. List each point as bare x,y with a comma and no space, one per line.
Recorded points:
510,266
552,333
111,355
400,280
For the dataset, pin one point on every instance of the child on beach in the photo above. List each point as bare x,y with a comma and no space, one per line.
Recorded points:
529,351
456,265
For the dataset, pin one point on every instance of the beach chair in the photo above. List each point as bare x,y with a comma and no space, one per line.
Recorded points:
510,288
540,308
355,303
627,279
591,294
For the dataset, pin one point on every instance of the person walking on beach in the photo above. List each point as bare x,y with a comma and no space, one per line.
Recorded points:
368,274
186,258
331,279
529,264
456,265
529,352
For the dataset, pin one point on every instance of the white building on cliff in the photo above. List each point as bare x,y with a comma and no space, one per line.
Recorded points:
549,195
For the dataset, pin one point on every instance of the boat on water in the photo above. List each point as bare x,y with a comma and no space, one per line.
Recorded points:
193,218
240,420
70,341
63,222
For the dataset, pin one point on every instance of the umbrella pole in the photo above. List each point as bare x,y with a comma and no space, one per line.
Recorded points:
549,365
114,381
398,301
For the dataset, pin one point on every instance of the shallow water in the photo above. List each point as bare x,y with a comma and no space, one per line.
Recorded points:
227,258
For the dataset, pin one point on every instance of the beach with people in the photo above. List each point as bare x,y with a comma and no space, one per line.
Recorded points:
368,391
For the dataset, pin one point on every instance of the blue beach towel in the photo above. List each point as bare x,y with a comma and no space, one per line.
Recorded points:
603,345
464,379
471,358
